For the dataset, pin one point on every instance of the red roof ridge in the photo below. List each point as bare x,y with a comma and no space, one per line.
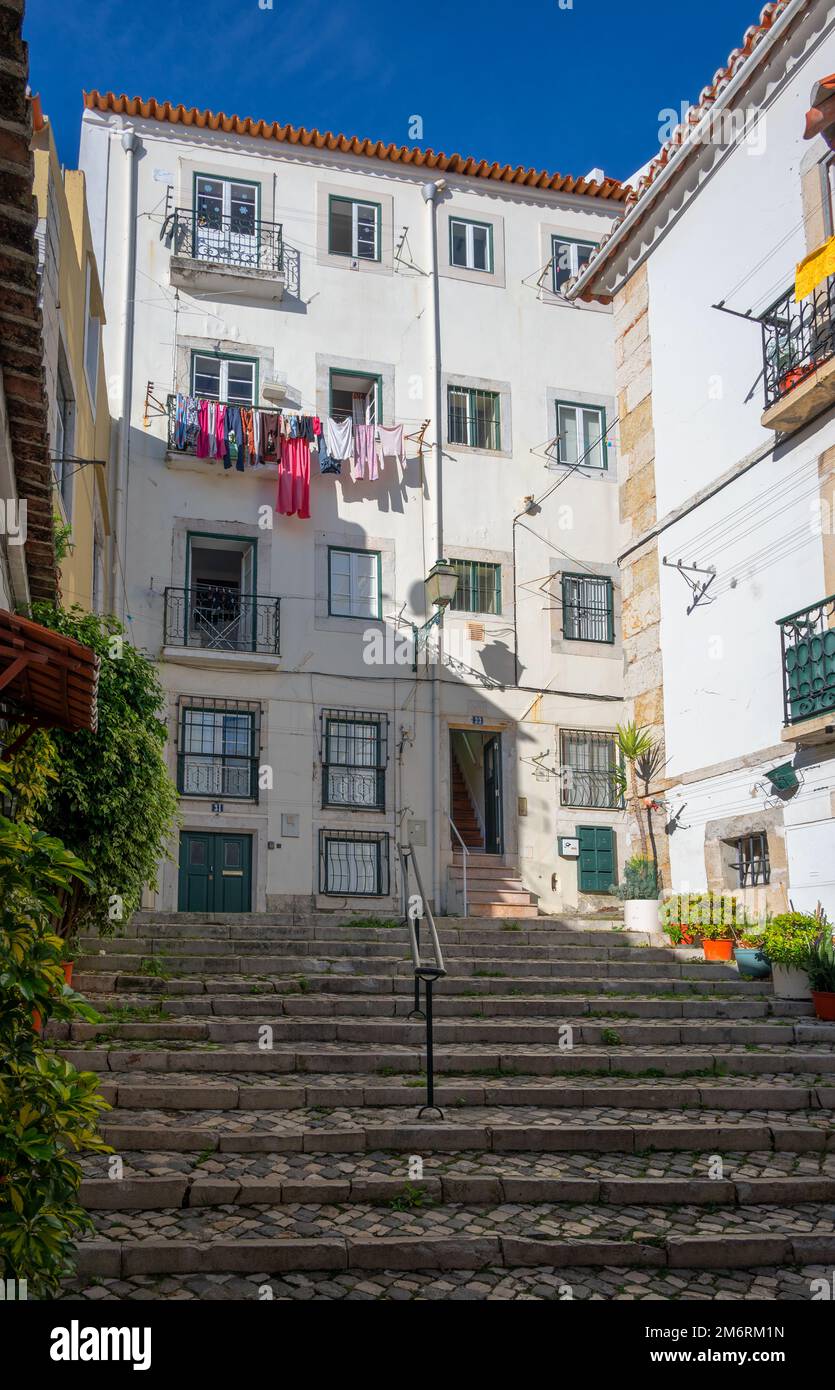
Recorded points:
150,109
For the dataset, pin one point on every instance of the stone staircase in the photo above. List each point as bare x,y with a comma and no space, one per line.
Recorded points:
494,889
620,1121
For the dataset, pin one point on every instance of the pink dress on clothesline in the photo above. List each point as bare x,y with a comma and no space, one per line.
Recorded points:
294,478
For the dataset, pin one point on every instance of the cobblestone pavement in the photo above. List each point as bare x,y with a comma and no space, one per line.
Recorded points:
541,1284
530,1220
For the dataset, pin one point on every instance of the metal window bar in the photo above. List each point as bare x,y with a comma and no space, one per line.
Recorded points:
479,587
797,338
354,758
587,609
589,766
217,750
234,239
474,418
808,651
217,617
753,865
354,863
413,910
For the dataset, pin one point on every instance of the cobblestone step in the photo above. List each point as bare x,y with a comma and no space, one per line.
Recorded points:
395,944
608,1283
456,1235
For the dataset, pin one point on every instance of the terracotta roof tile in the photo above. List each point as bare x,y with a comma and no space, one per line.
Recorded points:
610,189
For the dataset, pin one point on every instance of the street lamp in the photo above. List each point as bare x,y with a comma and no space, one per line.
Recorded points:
439,585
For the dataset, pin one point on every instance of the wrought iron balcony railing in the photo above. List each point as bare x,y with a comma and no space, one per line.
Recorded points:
219,775
218,618
590,787
808,641
236,239
797,338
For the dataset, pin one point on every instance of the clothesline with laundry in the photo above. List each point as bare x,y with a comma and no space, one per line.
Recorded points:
252,435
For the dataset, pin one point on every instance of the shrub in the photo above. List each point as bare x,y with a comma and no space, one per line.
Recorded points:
639,880
788,938
820,963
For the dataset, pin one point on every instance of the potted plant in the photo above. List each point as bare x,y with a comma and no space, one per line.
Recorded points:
717,940
787,941
751,960
70,952
820,964
639,895
680,933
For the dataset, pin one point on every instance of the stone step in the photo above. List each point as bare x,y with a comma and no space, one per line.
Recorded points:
225,1091
128,1243
503,895
492,909
485,1130
531,1029
507,944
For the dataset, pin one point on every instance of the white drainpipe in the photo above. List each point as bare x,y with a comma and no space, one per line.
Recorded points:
430,193
131,145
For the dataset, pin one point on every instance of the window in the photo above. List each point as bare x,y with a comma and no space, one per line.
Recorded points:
354,863
589,768
354,229
354,583
471,244
64,432
221,609
568,257
354,758
581,436
587,608
479,587
474,417
225,220
752,863
230,379
217,753
354,396
98,570
92,333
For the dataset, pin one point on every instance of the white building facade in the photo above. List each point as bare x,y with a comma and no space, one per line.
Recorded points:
283,270
725,383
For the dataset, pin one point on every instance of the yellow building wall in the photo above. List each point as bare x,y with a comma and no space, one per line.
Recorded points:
92,428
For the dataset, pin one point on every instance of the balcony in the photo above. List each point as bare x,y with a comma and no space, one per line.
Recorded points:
211,253
799,358
215,624
808,643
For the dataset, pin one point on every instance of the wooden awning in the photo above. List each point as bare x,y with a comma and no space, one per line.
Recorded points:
49,680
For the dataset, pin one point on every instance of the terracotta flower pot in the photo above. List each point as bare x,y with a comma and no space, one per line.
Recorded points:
824,1003
68,965
36,1021
718,950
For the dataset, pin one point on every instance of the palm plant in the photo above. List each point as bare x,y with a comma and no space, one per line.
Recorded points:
641,762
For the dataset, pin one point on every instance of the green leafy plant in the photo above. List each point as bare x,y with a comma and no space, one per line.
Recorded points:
695,911
640,880
820,963
788,938
642,761
611,1038
48,1109
410,1198
113,802
717,931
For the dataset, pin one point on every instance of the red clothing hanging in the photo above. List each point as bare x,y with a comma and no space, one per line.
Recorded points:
294,478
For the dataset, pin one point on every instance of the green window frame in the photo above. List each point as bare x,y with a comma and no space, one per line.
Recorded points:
224,358
333,379
223,767
469,226
354,760
359,228
479,587
474,418
588,610
591,447
355,579
568,256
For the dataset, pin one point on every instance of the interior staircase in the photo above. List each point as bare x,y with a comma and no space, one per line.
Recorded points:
620,1120
464,812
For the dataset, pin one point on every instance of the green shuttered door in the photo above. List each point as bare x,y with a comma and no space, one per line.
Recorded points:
596,869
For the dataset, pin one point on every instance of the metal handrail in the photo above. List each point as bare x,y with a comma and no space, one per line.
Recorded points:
464,860
426,972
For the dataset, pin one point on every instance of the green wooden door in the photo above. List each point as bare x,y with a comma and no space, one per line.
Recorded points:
215,872
597,864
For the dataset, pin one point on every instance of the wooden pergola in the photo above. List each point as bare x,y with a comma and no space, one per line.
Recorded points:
47,680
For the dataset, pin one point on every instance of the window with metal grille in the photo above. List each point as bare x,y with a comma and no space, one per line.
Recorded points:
479,587
217,753
752,864
589,766
354,864
354,759
568,257
587,608
474,417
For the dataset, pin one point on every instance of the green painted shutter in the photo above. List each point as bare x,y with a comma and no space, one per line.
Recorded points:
596,867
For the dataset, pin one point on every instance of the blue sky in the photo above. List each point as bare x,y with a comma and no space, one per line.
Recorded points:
557,85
